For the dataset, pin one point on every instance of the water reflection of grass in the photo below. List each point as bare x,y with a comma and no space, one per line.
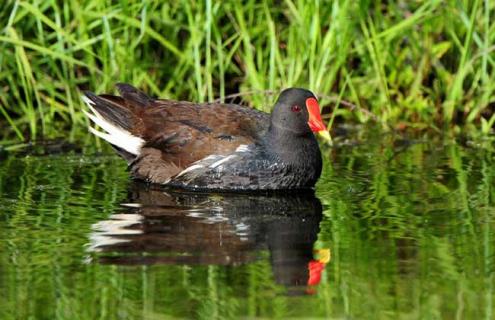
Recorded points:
423,229
422,64
411,236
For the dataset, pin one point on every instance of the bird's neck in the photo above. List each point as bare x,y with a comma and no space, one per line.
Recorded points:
291,147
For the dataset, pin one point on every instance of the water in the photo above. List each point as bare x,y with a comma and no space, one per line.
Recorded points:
397,229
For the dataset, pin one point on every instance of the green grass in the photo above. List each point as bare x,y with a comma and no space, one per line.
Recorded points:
422,64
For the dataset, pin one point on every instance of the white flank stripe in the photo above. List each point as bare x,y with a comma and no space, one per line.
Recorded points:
114,134
242,148
189,169
211,157
216,164
201,163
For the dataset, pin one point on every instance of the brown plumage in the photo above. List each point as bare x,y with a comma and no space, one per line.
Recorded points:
176,133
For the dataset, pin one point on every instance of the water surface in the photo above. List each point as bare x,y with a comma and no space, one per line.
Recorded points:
397,229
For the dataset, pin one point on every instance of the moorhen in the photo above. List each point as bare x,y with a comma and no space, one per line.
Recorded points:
212,146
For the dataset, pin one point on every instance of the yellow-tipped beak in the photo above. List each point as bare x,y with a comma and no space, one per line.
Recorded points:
323,255
325,135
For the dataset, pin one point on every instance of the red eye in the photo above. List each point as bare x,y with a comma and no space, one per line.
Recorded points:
295,108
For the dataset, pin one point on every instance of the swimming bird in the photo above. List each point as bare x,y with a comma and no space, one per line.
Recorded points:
213,146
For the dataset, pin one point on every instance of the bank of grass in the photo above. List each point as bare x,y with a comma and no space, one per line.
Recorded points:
425,64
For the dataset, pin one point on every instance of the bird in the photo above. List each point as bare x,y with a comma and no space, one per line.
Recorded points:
212,146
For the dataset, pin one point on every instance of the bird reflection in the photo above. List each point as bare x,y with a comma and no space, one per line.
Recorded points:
175,227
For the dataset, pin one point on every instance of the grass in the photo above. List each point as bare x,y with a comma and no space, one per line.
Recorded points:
421,64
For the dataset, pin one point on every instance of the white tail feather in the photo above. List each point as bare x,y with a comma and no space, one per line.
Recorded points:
114,134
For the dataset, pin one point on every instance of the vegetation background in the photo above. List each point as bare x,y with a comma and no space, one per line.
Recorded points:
410,225
422,64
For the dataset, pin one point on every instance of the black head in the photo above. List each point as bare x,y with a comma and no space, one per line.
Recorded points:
297,111
290,139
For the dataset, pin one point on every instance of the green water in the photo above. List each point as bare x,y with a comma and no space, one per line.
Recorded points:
398,229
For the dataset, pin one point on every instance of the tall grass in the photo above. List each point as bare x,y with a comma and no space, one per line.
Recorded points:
421,64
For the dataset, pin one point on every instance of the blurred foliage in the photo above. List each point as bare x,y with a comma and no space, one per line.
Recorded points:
410,63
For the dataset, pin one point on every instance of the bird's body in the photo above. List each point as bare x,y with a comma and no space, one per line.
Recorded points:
211,146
